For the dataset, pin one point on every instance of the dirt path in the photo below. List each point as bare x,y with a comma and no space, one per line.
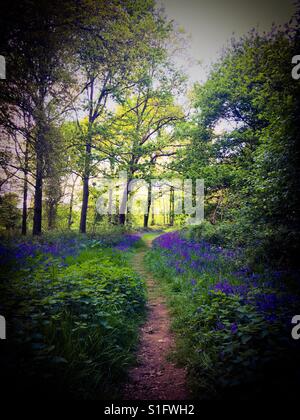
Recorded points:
155,377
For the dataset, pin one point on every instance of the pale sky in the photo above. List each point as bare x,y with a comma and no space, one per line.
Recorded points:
211,23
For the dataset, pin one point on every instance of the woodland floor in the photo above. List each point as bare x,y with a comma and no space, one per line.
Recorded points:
155,377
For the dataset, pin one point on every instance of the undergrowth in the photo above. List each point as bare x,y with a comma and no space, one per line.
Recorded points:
233,326
72,318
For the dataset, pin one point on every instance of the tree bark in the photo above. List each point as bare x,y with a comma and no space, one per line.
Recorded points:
122,219
38,199
172,199
84,208
122,215
42,127
24,210
52,213
146,216
70,217
86,192
25,193
153,216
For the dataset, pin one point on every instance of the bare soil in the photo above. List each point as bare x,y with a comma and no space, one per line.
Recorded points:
155,377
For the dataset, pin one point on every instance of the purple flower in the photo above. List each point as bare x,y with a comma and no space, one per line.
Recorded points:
229,289
266,302
220,325
234,328
127,242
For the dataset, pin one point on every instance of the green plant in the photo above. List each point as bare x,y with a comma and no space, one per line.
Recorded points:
230,347
73,324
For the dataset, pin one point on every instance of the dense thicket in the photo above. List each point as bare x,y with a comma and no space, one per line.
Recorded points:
244,143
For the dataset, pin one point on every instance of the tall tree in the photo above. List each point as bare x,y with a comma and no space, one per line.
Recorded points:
142,133
118,37
256,157
55,171
17,159
35,39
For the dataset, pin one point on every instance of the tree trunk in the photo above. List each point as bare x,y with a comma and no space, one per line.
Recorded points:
86,180
122,216
172,200
87,162
38,197
85,201
122,219
146,220
110,210
25,193
42,128
146,216
153,216
70,217
52,212
24,210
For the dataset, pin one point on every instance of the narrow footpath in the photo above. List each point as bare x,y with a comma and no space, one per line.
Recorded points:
155,377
